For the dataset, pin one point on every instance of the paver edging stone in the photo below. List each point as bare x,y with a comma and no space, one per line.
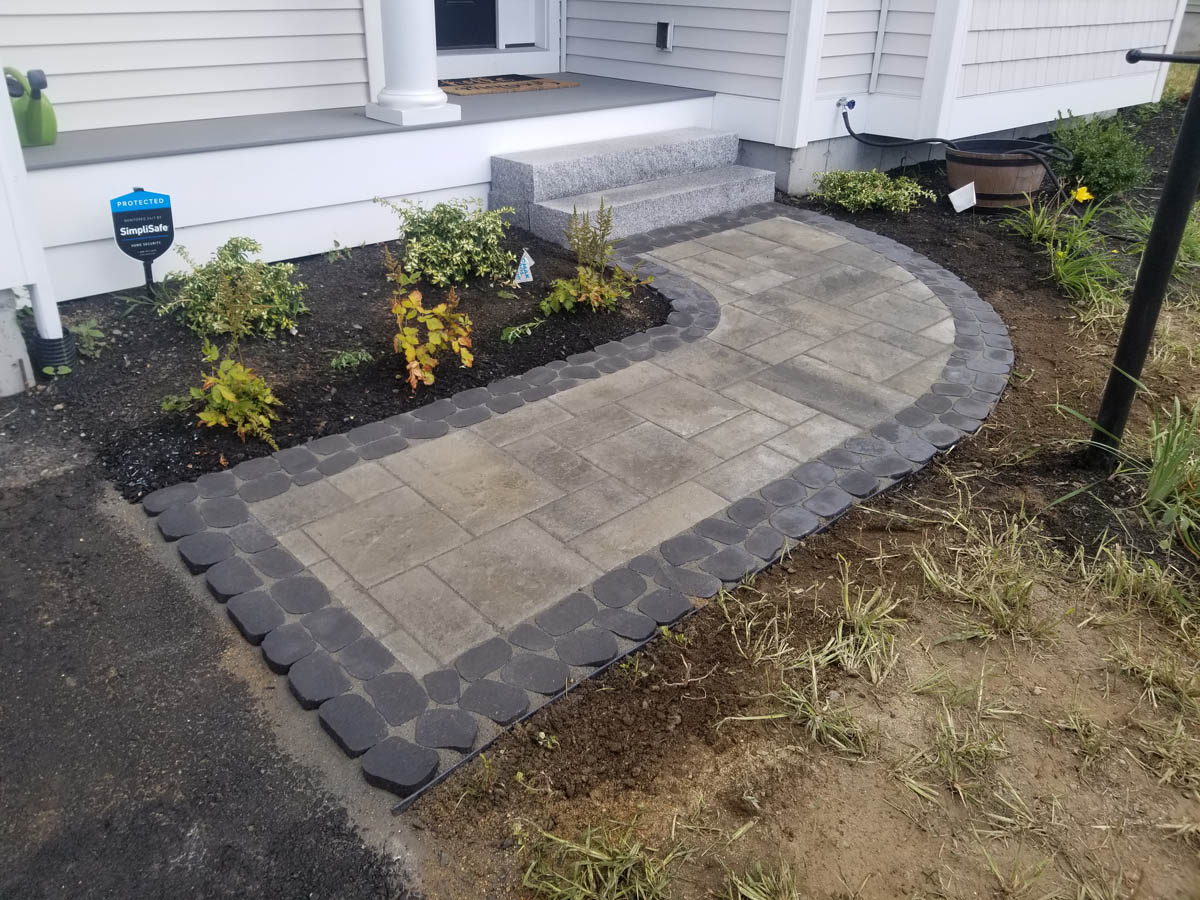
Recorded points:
746,537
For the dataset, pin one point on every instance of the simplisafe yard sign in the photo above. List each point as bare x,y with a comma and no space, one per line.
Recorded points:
143,226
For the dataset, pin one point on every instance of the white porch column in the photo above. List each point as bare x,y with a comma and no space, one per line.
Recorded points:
410,94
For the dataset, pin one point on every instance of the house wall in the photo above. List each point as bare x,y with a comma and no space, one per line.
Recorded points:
169,60
733,47
1025,62
858,56
1015,46
275,199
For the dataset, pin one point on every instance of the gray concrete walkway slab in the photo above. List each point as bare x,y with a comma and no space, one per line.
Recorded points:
492,549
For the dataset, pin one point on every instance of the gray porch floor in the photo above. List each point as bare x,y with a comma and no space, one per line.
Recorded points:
101,145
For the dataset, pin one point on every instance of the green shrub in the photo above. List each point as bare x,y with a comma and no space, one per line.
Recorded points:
857,191
234,295
452,242
232,396
1108,160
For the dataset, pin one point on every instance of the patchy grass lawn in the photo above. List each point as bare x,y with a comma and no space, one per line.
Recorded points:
985,684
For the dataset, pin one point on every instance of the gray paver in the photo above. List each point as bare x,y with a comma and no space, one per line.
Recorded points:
450,729
508,501
681,406
386,535
432,610
649,458
400,767
398,696
536,568
474,483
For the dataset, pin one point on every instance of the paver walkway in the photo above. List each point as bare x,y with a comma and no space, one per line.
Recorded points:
428,579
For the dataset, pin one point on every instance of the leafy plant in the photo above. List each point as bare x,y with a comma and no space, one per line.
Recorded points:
89,339
593,286
591,241
338,252
231,396
513,333
234,295
1136,224
443,328
1171,469
1107,158
350,359
56,371
1173,479
451,242
857,191
589,288
1080,263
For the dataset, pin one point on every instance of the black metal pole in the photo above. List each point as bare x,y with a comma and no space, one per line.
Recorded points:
1153,279
149,272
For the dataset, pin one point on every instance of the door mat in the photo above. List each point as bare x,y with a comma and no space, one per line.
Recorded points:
502,84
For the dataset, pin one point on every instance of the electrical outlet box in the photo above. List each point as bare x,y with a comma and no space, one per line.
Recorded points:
664,37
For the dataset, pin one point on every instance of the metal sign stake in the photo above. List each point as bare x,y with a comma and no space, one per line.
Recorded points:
1154,274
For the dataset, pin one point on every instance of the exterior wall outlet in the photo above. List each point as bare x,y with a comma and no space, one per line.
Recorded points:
664,38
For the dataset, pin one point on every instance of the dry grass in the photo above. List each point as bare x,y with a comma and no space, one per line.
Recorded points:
961,757
863,640
772,883
603,864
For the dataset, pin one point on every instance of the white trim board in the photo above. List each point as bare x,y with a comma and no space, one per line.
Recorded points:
986,113
210,204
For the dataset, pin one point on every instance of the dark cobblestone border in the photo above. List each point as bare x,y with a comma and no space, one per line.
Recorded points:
411,734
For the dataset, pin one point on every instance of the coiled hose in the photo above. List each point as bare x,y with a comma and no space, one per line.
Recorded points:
1039,150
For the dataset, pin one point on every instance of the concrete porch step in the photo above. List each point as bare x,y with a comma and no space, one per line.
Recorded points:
519,179
672,200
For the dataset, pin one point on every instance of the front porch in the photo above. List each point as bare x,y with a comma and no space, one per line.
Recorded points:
300,181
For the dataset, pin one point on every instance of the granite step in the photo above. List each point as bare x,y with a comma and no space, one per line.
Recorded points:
660,202
522,179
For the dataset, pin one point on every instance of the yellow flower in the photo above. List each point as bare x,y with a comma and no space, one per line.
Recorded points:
1082,194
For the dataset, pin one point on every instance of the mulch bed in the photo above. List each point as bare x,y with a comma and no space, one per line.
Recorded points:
112,402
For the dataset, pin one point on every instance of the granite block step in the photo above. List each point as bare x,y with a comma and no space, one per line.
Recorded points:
659,203
521,179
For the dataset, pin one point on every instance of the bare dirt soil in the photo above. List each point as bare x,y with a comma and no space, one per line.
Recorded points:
1037,733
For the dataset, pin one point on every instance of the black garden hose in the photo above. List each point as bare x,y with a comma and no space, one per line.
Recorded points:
1039,150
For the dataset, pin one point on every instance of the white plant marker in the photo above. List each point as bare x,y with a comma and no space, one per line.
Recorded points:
964,198
523,268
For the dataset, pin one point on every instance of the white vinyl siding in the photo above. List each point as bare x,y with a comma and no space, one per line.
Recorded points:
727,46
848,50
1020,44
852,38
175,60
905,47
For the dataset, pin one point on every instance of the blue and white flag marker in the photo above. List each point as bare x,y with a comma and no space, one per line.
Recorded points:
523,269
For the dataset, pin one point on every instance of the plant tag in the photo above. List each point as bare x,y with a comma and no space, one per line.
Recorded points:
523,267
964,198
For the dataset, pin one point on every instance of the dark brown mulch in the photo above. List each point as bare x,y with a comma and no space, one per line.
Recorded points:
113,402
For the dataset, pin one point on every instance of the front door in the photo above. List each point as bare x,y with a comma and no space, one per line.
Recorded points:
465,23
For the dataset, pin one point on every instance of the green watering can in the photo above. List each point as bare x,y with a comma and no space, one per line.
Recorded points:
37,125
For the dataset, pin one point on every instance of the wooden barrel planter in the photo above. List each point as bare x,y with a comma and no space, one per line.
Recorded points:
1002,178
